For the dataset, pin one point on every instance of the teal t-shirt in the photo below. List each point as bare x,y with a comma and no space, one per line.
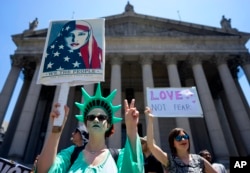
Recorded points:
127,162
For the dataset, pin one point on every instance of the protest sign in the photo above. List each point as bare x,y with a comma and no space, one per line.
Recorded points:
73,55
8,166
174,102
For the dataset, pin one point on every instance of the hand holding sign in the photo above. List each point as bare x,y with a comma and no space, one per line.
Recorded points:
59,114
62,100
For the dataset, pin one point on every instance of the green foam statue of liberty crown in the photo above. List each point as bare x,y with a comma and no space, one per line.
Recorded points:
98,101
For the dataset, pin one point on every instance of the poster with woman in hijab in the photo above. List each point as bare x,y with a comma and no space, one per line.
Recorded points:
73,53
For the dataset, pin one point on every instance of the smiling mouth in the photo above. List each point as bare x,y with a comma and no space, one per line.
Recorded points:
96,125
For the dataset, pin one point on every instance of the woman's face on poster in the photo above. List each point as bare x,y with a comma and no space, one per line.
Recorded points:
76,39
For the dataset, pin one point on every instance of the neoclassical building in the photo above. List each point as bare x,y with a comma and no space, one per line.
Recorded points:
141,51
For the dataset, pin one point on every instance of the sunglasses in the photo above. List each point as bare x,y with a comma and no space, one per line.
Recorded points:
179,137
99,117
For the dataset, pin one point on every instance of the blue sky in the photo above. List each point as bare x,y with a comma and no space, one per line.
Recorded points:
16,15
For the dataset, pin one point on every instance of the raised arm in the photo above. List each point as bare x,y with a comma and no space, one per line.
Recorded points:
156,150
131,120
49,151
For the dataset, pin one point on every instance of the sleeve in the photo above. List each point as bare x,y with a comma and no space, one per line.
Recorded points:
62,161
126,162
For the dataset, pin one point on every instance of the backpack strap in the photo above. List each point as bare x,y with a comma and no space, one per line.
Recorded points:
75,153
115,153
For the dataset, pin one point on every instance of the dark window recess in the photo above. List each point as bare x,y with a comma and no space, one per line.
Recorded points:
106,92
124,134
129,94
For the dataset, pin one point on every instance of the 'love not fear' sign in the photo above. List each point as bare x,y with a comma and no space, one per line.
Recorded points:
174,102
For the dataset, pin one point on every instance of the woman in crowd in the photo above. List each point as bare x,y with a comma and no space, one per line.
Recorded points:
180,160
98,116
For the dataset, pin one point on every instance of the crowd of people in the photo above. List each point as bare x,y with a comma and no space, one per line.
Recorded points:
140,154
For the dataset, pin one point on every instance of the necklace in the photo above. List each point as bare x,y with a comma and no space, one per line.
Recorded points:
95,152
92,152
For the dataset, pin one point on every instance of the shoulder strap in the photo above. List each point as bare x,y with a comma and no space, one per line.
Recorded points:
75,153
115,153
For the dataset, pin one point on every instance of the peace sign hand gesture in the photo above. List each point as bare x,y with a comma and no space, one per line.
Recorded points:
131,116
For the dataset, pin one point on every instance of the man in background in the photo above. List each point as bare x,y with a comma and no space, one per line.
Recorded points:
79,136
220,168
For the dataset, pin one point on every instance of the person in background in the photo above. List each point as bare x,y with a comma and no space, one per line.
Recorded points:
79,136
220,168
98,115
151,164
180,160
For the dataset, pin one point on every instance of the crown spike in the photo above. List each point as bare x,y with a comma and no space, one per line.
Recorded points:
80,106
111,96
98,91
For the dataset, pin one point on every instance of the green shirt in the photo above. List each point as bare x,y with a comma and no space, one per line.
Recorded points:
125,163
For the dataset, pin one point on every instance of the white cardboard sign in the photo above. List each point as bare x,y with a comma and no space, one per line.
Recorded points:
74,53
174,102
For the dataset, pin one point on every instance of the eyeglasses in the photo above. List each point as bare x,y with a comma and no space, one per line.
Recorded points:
99,117
179,137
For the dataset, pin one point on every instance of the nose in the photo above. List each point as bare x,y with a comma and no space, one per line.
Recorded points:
73,37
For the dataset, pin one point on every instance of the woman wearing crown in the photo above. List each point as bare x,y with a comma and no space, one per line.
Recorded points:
98,114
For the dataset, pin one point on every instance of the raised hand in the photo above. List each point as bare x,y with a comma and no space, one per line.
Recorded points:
55,113
148,113
131,115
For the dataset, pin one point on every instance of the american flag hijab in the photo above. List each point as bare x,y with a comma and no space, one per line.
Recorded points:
59,56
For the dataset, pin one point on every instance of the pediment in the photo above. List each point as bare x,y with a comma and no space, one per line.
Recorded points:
133,24
32,34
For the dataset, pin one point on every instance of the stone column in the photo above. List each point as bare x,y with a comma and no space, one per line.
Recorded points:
174,81
21,136
8,138
116,138
148,81
246,67
236,104
90,89
8,89
213,124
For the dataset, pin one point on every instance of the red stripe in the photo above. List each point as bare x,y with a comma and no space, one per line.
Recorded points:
82,27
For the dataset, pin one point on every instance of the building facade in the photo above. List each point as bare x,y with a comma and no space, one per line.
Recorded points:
141,51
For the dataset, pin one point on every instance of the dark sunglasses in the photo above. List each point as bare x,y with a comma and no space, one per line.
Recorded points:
179,137
99,117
